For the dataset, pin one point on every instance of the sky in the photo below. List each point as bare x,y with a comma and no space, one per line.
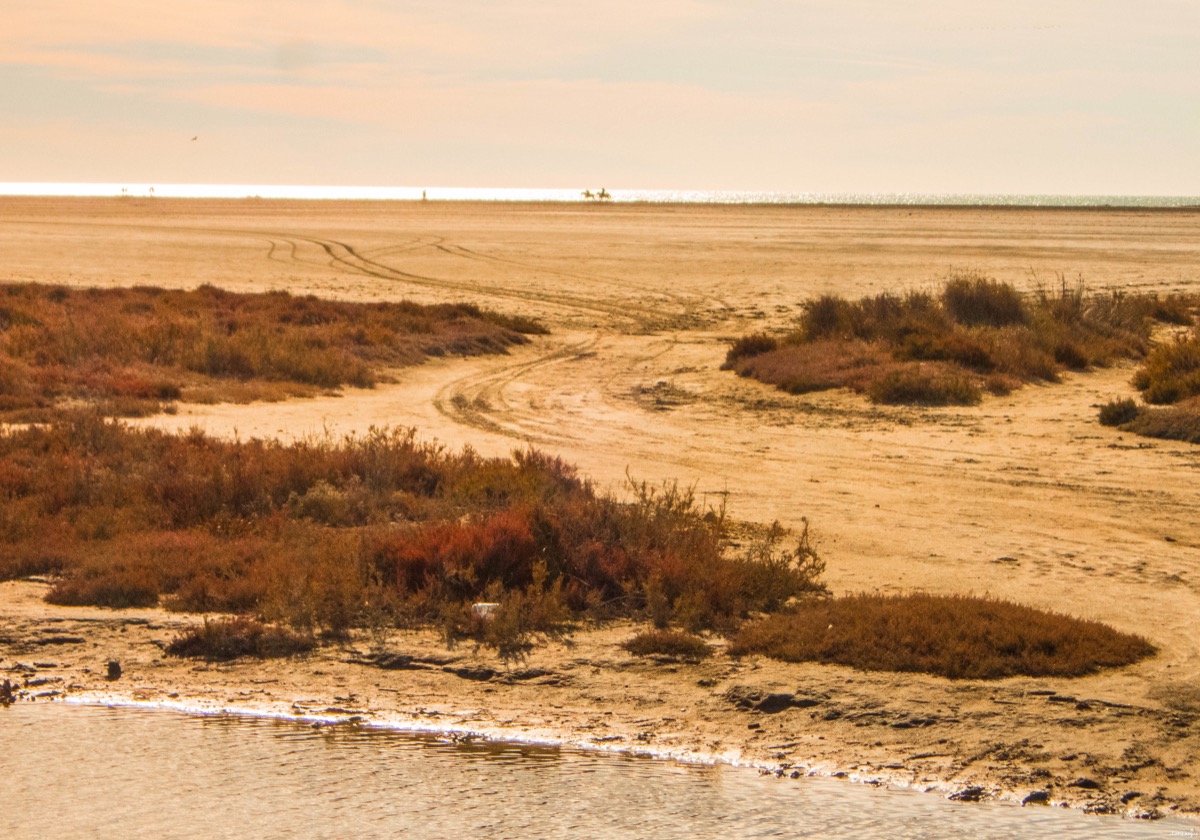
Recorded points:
1082,97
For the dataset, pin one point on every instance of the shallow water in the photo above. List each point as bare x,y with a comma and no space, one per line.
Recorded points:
87,771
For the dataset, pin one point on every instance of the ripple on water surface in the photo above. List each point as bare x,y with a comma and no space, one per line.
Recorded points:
74,771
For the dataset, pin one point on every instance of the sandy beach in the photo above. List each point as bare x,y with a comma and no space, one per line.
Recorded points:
1024,497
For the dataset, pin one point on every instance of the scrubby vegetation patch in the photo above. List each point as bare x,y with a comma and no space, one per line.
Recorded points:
130,351
223,639
669,644
334,534
974,335
959,637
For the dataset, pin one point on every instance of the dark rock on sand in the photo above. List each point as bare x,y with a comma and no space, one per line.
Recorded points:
471,672
971,793
400,662
756,700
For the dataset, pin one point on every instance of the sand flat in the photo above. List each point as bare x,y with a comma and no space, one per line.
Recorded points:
1024,496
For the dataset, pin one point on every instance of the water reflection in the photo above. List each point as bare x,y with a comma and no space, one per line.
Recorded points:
88,771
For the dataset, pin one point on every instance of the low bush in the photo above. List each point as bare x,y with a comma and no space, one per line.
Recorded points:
975,300
669,644
1171,371
924,385
1118,412
223,639
129,351
749,345
1179,422
959,637
976,334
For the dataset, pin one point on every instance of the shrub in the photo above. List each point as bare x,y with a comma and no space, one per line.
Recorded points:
327,535
1118,412
960,637
669,644
1181,422
748,345
224,639
116,588
924,385
129,351
799,369
979,332
975,300
1171,371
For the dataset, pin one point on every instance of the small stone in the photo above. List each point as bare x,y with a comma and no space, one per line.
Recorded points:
971,793
1037,797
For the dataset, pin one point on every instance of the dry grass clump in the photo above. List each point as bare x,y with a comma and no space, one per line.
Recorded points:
669,644
1171,371
1169,376
129,351
1178,422
959,637
1118,412
975,334
334,534
224,639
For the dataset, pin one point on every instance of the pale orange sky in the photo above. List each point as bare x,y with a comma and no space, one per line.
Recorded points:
1078,96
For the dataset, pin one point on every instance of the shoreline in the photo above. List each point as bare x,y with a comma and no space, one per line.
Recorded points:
589,694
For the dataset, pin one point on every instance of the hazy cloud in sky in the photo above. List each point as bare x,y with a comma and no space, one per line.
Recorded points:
1082,96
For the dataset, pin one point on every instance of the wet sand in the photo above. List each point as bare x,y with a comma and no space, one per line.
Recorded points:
1024,497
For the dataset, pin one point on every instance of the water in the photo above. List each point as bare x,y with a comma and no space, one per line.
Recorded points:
78,771
281,191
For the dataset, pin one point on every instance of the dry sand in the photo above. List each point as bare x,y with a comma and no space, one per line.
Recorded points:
1024,497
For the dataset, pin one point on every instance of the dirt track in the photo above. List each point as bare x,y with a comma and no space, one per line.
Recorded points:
1025,497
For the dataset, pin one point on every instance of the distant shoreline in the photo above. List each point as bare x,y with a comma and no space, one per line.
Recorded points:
742,198
197,203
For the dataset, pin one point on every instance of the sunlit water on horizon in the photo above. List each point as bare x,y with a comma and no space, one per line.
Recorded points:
78,771
434,193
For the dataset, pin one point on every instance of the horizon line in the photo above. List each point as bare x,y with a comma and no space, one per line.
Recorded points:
113,189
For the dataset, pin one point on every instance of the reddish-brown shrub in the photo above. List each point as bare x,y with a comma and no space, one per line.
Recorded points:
332,534
131,350
959,637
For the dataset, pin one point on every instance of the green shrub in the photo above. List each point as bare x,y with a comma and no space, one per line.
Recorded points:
960,637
